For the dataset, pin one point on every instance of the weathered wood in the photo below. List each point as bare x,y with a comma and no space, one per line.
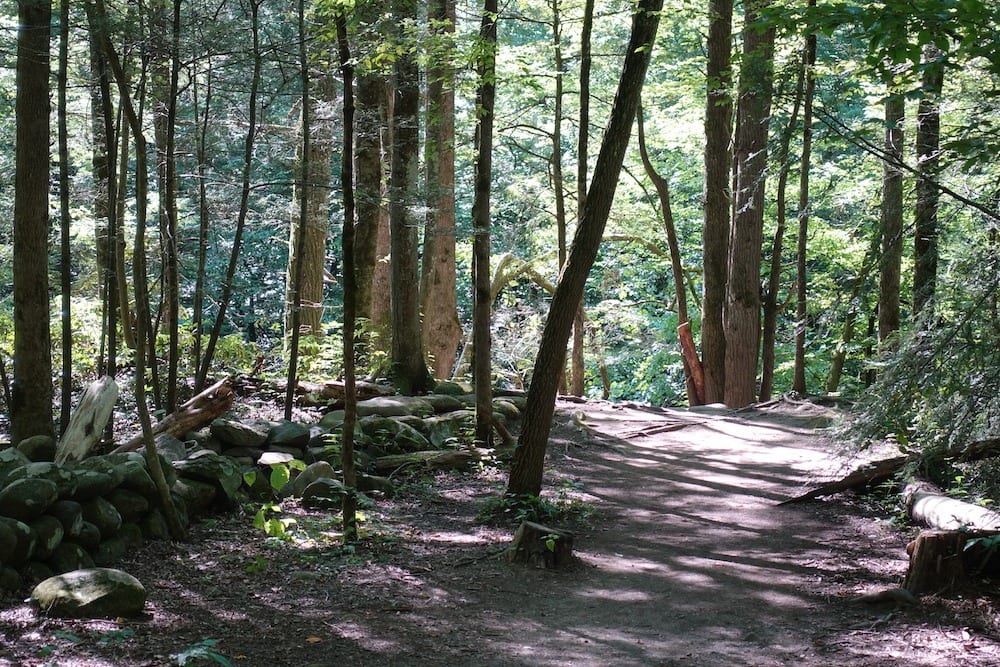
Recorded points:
872,473
542,546
452,459
930,506
195,413
332,391
690,354
935,562
88,420
880,471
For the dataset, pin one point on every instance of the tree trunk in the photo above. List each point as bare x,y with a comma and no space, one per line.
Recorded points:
65,273
529,457
441,329
369,120
925,248
84,428
742,305
408,369
582,146
349,508
802,280
891,218
32,394
482,302
718,202
311,236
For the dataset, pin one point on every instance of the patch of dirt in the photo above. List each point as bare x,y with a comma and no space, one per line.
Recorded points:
688,561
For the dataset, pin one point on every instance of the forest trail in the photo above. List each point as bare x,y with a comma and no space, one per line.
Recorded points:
690,561
694,562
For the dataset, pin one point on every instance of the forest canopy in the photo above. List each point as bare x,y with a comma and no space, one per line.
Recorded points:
811,191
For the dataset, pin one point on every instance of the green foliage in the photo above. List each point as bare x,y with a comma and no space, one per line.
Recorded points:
565,507
268,519
941,387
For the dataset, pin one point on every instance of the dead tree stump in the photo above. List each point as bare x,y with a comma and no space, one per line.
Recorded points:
935,562
539,545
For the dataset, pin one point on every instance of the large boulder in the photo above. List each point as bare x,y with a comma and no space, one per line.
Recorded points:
449,427
221,471
324,494
24,542
38,448
90,593
235,433
70,515
288,434
48,532
444,402
69,556
104,515
25,499
386,430
395,406
312,473
11,459
63,478
170,447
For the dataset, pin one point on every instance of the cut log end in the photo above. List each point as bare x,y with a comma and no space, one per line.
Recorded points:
541,546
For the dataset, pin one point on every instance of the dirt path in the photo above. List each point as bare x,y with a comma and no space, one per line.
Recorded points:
690,562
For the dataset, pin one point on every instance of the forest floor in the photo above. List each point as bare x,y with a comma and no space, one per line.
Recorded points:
684,557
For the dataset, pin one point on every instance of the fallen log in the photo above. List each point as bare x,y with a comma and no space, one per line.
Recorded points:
452,459
885,469
331,391
929,505
195,413
961,541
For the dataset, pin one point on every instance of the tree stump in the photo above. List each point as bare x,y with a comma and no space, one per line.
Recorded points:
88,420
935,562
539,545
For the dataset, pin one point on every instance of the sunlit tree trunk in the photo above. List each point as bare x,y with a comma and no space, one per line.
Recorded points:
529,457
928,140
31,395
742,306
441,328
407,367
201,157
718,202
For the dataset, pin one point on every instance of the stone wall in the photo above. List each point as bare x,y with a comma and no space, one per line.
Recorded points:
60,517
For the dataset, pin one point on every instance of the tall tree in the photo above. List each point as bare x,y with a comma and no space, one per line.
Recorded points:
482,296
350,499
32,393
529,457
891,217
582,150
718,203
408,369
928,140
65,273
802,283
742,305
442,330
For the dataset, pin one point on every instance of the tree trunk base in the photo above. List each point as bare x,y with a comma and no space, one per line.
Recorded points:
936,564
541,546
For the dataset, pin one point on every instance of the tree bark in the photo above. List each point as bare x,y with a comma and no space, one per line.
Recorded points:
31,393
801,277
718,195
529,457
408,368
349,507
442,330
742,306
891,218
65,273
925,248
482,297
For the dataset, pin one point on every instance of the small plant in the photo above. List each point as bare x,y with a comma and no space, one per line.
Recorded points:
275,526
256,566
203,650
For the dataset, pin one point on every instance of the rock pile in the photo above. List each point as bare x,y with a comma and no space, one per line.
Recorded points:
56,518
